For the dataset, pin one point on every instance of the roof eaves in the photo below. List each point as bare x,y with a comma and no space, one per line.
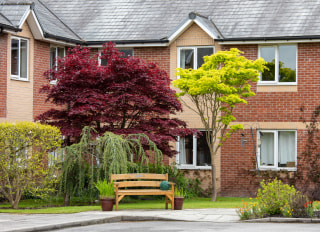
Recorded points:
123,42
243,39
4,26
48,35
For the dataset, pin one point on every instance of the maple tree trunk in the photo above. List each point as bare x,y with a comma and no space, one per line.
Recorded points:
214,182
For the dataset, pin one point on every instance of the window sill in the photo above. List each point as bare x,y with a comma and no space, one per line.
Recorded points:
18,79
276,84
53,82
191,167
293,169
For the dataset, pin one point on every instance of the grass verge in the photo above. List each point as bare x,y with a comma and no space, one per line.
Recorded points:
196,203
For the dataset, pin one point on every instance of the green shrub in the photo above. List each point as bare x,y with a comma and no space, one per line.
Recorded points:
274,196
23,148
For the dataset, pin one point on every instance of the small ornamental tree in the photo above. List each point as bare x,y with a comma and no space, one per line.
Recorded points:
127,96
215,89
23,147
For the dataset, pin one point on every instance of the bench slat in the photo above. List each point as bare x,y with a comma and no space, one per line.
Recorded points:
145,176
138,184
137,192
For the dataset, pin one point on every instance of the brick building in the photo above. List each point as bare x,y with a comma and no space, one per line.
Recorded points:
178,34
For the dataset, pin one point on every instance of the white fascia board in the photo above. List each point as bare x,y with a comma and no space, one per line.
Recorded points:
24,17
131,45
180,30
38,33
203,27
269,41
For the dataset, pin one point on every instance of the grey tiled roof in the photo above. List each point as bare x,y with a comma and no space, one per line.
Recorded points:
117,20
51,24
14,12
96,20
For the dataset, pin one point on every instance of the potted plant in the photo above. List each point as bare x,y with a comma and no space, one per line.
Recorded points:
178,198
106,194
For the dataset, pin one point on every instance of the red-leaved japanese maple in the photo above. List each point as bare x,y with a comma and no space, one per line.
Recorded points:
126,96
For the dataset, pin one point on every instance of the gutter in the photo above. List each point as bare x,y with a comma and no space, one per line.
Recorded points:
4,26
311,37
48,35
126,42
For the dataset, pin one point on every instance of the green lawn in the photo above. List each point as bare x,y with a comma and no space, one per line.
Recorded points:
197,203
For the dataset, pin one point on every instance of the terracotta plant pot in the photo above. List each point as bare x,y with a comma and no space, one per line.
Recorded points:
178,203
107,204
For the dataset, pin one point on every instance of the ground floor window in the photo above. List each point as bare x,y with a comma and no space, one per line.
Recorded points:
193,152
277,149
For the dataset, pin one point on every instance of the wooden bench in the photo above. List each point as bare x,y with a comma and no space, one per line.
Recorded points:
126,185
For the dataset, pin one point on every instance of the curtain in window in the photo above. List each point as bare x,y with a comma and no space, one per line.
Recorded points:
286,152
182,151
267,149
23,58
186,58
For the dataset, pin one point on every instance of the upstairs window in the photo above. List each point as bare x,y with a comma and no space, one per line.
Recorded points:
277,149
19,59
126,52
193,152
281,63
192,57
54,53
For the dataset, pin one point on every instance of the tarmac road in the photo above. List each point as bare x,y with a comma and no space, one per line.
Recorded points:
175,226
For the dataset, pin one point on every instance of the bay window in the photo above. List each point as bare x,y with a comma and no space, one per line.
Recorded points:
277,149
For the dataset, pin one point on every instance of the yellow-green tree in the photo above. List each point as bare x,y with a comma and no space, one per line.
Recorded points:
23,150
215,89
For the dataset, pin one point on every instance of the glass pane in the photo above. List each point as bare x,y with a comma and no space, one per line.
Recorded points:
23,58
61,52
287,63
186,150
52,57
267,149
186,58
103,62
126,52
203,152
14,57
201,53
286,150
268,54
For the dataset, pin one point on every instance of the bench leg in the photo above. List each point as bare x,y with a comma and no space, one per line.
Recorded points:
117,202
166,202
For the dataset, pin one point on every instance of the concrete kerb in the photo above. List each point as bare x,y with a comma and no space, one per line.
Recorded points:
92,222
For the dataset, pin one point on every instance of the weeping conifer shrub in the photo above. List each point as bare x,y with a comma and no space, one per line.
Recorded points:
95,158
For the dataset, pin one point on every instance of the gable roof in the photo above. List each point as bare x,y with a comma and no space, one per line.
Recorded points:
13,15
126,21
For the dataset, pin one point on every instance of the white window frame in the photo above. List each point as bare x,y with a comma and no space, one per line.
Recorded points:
195,50
18,77
194,154
54,82
276,82
276,144
119,48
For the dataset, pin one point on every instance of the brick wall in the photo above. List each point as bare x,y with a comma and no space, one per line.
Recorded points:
3,75
273,107
160,56
41,64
